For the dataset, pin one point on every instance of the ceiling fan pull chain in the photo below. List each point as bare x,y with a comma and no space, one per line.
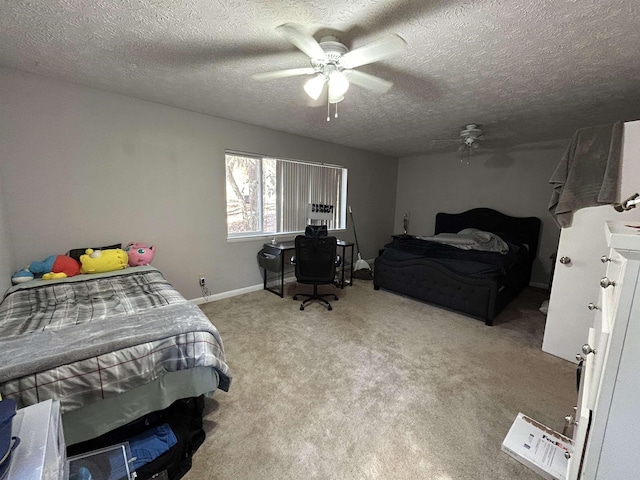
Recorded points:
328,110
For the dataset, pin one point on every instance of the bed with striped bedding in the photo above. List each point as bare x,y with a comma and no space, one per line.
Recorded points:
92,338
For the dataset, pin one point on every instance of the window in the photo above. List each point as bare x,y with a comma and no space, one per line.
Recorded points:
267,196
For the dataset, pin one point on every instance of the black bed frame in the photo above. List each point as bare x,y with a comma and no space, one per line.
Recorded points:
431,282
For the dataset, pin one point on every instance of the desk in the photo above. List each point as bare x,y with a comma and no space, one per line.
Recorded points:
281,249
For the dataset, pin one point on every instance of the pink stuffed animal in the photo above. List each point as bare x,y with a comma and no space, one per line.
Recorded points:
139,253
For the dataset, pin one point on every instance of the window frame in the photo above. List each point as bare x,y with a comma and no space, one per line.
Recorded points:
341,197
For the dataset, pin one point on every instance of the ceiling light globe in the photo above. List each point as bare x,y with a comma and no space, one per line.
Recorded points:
338,83
315,86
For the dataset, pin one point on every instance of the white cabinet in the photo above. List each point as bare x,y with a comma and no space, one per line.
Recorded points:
611,387
575,282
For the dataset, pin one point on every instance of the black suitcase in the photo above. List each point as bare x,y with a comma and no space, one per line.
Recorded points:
185,419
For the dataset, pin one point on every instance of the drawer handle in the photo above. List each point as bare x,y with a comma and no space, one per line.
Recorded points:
569,421
604,259
592,306
605,282
565,260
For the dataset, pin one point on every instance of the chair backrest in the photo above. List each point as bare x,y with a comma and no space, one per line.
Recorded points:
315,259
316,231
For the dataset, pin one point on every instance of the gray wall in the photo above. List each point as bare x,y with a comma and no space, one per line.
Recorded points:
515,182
6,247
84,167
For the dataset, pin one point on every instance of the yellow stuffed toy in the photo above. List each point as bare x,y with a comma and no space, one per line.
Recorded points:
100,261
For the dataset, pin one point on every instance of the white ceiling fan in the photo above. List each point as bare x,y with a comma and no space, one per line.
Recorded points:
332,63
469,138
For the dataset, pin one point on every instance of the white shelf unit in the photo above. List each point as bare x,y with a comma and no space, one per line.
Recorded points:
41,454
612,441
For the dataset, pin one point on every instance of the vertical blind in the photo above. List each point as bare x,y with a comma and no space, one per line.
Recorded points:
305,183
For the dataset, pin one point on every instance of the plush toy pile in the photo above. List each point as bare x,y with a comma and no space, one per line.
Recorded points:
93,261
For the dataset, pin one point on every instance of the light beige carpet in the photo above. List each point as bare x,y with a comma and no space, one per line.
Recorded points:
382,387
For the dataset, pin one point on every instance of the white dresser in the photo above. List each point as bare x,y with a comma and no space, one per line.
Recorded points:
606,437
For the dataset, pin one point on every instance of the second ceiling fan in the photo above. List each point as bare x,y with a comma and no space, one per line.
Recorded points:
333,64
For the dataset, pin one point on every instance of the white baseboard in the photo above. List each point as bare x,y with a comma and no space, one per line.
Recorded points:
234,293
229,294
254,288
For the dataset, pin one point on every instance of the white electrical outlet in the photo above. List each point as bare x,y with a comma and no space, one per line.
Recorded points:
203,281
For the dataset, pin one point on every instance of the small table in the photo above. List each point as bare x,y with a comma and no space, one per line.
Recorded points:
280,249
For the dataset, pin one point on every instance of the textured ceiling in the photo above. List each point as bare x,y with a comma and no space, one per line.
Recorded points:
525,70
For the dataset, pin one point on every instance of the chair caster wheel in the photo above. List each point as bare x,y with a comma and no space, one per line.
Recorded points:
301,307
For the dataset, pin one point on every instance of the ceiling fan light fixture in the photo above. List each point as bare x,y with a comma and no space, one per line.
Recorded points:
338,85
469,138
315,86
333,63
335,98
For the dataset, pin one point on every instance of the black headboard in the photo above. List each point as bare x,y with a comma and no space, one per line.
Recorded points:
522,229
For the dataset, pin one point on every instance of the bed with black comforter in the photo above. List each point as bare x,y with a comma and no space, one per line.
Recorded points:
475,263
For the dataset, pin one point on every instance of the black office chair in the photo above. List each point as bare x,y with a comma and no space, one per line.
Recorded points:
315,263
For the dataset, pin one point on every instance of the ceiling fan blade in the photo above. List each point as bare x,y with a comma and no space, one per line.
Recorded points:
301,39
292,72
374,51
370,82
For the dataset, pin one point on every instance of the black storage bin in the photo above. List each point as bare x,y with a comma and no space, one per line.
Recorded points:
269,259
